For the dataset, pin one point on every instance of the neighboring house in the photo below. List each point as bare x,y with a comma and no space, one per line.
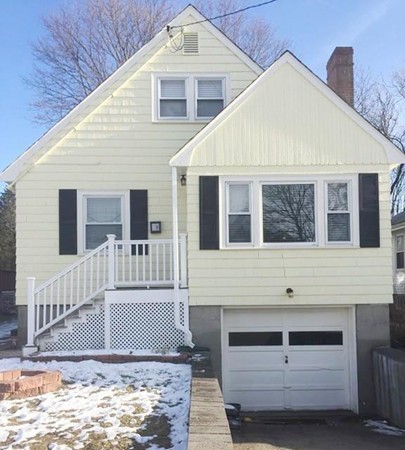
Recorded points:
398,261
285,272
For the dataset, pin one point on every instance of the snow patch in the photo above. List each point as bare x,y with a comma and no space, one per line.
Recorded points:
382,426
98,398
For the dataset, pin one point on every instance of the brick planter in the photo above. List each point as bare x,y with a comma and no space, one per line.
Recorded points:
16,384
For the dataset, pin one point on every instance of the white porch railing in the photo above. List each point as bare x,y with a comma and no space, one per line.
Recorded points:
115,263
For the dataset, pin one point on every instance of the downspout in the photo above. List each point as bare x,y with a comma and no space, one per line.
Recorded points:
179,326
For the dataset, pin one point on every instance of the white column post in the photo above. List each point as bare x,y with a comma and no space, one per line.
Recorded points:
175,229
111,261
30,311
183,260
107,322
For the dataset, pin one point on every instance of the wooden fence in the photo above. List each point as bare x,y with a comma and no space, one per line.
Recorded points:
389,380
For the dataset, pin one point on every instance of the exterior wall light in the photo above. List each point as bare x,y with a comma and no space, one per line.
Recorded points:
289,292
183,180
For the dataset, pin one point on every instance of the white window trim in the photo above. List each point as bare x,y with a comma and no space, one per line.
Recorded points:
191,93
227,213
320,182
81,214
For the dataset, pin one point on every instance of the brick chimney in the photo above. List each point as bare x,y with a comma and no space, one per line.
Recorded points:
339,71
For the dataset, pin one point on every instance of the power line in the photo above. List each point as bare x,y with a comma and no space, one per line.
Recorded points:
227,14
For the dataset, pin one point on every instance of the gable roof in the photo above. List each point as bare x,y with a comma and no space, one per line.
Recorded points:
183,157
23,163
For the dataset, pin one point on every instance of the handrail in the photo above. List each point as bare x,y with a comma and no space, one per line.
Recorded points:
73,266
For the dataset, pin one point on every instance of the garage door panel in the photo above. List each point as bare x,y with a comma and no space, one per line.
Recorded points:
323,359
302,317
258,400
245,360
257,380
318,399
314,378
241,318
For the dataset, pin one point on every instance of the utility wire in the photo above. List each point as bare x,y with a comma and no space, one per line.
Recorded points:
227,14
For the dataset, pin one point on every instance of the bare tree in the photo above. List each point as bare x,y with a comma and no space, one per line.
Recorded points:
382,104
84,44
253,34
87,40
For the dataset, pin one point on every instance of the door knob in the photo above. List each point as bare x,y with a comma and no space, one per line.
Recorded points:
286,359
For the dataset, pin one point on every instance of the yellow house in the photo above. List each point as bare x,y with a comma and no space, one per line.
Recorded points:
193,199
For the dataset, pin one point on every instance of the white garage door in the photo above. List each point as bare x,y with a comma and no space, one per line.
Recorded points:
280,359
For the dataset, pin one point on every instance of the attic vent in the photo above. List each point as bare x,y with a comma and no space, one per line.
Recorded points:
190,46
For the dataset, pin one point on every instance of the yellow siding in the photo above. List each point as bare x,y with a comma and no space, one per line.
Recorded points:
116,147
327,276
287,121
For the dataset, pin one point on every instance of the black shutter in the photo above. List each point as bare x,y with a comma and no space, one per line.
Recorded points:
68,222
209,213
369,210
139,219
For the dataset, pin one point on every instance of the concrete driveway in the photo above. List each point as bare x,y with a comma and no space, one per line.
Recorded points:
338,435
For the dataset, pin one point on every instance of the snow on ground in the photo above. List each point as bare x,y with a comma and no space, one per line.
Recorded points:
106,402
106,352
6,327
381,426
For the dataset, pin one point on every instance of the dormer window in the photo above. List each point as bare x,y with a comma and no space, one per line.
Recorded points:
189,97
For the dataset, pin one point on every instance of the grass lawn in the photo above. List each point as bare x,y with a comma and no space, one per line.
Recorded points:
101,406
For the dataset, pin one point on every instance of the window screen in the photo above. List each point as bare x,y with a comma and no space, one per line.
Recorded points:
239,213
338,215
288,213
103,216
210,97
173,100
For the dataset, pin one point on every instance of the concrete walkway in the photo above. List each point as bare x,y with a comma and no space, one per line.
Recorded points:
340,435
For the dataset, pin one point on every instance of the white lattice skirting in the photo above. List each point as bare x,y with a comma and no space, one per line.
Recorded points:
127,319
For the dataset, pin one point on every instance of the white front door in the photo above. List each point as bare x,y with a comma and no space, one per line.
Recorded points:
280,359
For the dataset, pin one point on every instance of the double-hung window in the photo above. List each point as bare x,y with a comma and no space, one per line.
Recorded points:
173,98
399,251
186,97
239,215
338,212
102,215
210,97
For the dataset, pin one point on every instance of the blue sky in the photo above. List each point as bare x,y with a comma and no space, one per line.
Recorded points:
314,27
